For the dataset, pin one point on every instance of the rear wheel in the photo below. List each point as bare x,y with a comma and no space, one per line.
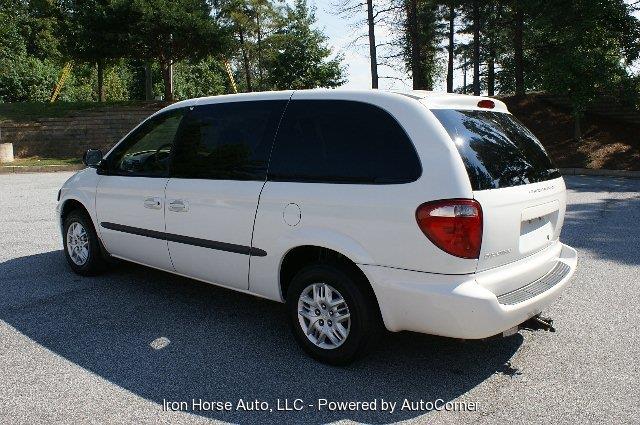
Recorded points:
81,245
332,316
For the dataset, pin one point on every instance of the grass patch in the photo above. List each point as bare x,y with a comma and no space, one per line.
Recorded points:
27,111
37,161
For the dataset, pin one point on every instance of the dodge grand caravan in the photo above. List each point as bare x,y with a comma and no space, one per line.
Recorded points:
434,213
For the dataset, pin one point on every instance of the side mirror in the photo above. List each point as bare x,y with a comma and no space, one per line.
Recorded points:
92,157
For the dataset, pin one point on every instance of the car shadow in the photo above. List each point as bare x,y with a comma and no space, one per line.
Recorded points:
218,344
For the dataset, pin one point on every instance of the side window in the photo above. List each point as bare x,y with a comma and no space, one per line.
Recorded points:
227,141
146,152
335,141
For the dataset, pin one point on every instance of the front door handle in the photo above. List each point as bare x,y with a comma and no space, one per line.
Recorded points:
179,205
153,202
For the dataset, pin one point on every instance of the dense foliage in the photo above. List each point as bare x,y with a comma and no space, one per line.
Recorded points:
173,49
569,47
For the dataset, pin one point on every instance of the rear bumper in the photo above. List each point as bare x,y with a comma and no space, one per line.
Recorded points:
457,305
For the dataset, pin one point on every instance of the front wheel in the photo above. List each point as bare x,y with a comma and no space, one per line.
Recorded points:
81,245
332,316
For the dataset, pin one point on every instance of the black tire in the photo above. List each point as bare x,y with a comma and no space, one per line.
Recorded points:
95,261
364,314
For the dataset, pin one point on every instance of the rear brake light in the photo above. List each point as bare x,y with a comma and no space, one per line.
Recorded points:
486,103
453,225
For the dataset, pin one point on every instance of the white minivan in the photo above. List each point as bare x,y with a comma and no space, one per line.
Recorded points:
418,211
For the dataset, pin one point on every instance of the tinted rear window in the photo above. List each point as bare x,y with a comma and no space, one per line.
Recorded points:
497,150
335,141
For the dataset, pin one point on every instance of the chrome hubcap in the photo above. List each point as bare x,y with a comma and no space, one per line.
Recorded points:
78,243
324,316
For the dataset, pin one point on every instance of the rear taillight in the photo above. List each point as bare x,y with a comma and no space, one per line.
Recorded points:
453,225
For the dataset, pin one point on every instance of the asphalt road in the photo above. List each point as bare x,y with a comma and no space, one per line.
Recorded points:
80,349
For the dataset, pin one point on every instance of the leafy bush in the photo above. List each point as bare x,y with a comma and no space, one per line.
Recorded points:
24,78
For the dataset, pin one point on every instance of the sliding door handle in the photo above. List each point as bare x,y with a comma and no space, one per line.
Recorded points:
153,202
178,205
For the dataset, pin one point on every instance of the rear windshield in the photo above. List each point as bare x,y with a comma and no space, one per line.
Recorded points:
497,150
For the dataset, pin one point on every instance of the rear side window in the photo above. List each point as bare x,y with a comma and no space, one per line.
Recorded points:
497,150
334,141
228,141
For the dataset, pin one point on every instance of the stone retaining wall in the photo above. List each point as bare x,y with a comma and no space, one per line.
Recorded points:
71,135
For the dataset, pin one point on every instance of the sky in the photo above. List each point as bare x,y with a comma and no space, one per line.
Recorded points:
342,31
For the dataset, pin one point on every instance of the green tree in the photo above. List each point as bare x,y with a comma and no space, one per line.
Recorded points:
206,77
475,19
29,52
251,22
237,13
169,31
583,49
296,54
423,25
95,34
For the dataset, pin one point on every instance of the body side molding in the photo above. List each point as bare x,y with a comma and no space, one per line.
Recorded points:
187,240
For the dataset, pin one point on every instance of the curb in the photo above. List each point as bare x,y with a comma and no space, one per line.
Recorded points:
600,173
18,169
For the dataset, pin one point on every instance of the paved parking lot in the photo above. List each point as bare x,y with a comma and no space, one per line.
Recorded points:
78,349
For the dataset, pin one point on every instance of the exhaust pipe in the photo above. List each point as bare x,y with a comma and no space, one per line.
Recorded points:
539,323
536,323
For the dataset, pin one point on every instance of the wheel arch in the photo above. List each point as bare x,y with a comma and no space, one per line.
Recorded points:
301,256
73,204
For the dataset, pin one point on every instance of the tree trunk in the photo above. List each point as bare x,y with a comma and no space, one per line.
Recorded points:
260,76
101,96
167,76
452,17
476,47
373,56
496,14
577,124
245,60
464,77
491,72
491,77
518,49
412,20
148,81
